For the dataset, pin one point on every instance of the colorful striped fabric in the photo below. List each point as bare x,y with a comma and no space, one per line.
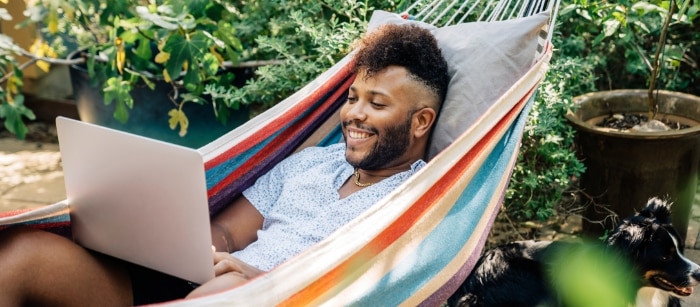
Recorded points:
414,247
234,161
54,218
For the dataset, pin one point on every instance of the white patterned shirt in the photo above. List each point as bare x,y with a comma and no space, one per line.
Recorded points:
300,203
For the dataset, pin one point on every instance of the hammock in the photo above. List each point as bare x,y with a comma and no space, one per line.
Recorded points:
418,244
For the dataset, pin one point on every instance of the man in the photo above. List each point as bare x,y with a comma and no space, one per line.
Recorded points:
391,108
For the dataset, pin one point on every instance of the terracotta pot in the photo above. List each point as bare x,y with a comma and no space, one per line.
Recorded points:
625,169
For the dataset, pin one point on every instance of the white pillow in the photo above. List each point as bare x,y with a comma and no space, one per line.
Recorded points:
484,60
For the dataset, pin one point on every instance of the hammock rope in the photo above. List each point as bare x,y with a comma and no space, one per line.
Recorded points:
435,12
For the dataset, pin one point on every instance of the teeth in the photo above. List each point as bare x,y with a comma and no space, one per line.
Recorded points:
358,135
680,290
687,290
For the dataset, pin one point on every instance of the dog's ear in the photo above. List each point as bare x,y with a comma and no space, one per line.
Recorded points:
657,209
626,238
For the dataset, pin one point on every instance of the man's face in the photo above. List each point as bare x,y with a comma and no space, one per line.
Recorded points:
377,119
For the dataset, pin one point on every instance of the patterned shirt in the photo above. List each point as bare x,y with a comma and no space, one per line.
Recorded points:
300,203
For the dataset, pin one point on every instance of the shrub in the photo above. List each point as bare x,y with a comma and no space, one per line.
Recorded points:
547,160
623,36
308,37
186,43
600,45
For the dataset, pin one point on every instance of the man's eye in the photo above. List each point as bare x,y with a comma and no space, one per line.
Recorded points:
352,99
377,105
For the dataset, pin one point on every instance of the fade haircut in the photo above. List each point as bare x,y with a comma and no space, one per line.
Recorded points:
408,46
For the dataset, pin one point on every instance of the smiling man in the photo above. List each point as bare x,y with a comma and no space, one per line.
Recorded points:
391,108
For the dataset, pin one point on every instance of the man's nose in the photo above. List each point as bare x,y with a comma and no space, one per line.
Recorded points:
356,111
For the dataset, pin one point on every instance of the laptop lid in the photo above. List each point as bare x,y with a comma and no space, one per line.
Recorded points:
138,199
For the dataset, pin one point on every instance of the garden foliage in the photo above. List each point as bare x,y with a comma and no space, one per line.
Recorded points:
599,45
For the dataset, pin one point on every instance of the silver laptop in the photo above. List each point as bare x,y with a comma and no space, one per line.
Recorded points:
138,199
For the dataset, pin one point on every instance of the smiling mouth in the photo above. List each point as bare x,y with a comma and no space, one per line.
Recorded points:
358,135
668,286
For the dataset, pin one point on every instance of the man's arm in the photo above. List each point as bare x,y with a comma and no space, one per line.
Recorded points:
236,227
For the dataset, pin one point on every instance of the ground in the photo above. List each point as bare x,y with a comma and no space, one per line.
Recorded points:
39,132
558,227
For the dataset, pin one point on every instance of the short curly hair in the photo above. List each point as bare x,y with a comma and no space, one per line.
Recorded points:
408,46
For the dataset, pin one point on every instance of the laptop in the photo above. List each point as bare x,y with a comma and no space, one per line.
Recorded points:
137,199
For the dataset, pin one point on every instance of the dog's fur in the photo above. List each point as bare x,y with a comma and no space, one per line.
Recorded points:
515,274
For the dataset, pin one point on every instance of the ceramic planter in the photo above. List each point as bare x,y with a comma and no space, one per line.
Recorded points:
624,169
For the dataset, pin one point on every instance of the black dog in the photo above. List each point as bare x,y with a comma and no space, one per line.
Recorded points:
531,273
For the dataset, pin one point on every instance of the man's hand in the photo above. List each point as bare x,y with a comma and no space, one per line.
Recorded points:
225,263
230,272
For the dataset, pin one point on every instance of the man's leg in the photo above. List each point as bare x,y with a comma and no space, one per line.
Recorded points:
219,284
41,268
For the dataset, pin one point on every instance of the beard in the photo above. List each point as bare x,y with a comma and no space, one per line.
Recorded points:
390,145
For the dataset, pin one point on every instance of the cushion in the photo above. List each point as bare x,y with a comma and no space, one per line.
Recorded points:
484,60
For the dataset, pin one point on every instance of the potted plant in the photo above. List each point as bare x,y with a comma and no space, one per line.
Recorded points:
625,167
187,49
177,47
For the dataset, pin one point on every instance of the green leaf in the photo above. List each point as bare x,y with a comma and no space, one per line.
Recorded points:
610,27
13,114
187,97
185,49
129,37
149,82
118,91
209,64
222,113
225,32
191,80
91,61
585,14
599,38
144,49
161,21
196,7
121,113
642,8
567,9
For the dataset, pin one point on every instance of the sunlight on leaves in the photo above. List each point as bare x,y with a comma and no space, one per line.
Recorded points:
41,49
178,118
166,76
162,21
121,55
162,57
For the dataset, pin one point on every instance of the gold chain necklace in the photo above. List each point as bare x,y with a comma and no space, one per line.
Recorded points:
357,180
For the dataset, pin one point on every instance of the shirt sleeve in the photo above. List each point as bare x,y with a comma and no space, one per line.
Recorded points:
264,192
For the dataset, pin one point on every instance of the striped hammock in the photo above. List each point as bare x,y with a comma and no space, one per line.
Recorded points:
415,246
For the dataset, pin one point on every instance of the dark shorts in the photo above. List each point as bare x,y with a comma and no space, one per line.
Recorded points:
151,286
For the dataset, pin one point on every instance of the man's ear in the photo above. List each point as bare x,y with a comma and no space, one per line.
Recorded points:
423,120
